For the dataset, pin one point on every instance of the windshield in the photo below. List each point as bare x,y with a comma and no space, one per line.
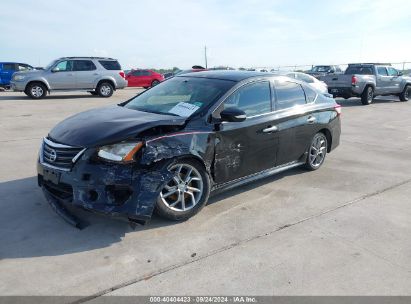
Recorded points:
181,96
50,65
324,68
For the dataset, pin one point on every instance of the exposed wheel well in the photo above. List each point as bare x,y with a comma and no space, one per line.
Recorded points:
327,134
35,81
106,80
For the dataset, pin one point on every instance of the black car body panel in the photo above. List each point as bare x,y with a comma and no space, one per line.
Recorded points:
231,152
119,123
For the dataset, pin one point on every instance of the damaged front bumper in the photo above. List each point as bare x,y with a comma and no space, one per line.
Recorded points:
120,190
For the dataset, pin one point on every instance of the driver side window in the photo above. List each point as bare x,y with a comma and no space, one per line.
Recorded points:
253,99
64,66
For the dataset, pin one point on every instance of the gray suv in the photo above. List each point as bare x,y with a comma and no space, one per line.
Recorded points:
97,75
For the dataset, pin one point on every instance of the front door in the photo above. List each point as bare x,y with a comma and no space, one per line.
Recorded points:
395,84
248,147
61,76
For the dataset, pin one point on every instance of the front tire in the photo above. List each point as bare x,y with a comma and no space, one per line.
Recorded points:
186,193
105,89
367,96
316,152
36,90
405,95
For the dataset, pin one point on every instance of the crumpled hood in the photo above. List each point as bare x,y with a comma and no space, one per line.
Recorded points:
108,125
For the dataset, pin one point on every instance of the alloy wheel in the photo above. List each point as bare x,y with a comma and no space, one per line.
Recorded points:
37,91
105,90
317,151
185,189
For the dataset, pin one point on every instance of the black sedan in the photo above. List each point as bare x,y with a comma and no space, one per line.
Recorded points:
168,148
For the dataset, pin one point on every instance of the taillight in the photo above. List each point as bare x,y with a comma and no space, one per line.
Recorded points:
122,74
337,109
353,80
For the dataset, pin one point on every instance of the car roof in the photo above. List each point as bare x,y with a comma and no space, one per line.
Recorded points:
87,57
227,75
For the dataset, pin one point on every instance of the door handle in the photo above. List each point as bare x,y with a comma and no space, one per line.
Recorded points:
311,119
270,129
95,74
69,74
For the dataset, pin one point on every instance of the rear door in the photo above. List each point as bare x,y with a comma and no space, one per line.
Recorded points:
295,125
383,80
248,147
85,73
7,72
61,76
146,78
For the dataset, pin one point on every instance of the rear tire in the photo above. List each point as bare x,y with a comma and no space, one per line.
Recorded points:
186,193
36,90
405,95
154,83
105,89
367,96
316,152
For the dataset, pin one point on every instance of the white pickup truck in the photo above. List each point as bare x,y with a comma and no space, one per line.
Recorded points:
367,80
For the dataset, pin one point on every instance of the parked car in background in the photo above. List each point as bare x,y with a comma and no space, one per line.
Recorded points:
169,147
367,80
97,75
321,70
7,69
168,75
143,78
321,86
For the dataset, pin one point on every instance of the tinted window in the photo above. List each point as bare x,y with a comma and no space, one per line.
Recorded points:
145,73
289,94
84,65
253,99
361,70
392,71
382,71
181,96
310,94
8,66
110,64
63,66
136,73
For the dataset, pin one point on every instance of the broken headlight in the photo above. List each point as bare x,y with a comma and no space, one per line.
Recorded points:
122,152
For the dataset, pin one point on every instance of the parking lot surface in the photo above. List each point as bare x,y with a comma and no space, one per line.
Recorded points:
342,230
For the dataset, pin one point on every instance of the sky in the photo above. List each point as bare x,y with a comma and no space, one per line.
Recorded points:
237,33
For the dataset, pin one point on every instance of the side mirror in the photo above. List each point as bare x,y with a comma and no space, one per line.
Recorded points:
233,115
54,70
400,73
331,71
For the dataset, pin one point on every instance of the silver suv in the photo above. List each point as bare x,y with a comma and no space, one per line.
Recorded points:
97,75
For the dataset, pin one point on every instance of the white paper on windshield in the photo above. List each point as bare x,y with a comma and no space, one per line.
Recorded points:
184,109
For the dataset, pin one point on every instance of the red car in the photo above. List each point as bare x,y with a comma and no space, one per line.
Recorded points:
143,78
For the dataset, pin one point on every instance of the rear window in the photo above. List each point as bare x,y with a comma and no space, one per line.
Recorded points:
289,94
361,70
110,64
